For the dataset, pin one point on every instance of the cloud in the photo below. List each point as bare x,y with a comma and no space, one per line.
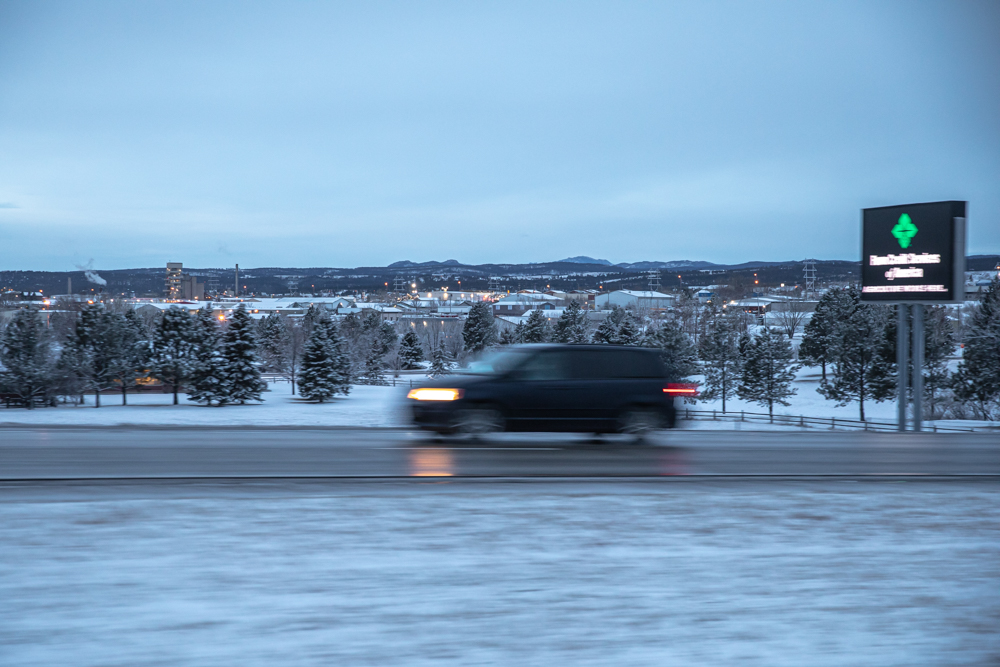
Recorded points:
8,204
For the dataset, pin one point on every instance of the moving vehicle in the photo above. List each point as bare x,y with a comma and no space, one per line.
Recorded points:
549,387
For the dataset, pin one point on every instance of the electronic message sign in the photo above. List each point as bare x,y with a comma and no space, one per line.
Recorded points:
914,253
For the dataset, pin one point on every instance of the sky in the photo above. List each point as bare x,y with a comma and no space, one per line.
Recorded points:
362,133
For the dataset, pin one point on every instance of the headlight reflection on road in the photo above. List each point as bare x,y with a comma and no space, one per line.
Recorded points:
431,462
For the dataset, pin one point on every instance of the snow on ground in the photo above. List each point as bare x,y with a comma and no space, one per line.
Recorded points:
365,406
683,573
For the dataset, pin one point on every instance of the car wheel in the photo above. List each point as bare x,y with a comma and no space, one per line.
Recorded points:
640,423
477,421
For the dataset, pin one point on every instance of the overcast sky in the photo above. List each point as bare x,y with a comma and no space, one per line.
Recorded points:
362,133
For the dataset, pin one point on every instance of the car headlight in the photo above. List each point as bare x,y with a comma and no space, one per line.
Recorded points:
435,394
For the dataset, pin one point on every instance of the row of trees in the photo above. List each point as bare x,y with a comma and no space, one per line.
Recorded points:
852,343
105,350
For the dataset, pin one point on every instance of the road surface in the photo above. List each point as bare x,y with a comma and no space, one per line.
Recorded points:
122,453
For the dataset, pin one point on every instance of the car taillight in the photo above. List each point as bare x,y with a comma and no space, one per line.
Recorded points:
681,389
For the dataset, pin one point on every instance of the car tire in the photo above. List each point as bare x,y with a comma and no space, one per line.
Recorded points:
476,421
640,422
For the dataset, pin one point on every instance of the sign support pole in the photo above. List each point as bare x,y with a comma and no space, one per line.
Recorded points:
902,359
918,366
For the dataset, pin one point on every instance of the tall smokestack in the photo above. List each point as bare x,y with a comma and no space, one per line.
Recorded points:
237,292
69,284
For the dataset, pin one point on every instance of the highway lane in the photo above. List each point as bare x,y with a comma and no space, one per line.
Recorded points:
123,453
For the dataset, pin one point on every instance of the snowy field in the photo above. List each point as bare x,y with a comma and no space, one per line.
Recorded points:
677,573
380,407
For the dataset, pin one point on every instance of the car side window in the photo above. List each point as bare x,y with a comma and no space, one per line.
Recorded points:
546,366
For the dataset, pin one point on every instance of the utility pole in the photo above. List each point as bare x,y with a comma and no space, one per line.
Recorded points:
237,285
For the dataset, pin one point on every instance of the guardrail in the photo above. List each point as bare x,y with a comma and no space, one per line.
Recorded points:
801,421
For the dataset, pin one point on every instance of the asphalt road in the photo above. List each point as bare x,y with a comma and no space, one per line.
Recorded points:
120,453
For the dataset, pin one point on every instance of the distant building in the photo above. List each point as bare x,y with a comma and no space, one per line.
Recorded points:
637,299
172,283
191,289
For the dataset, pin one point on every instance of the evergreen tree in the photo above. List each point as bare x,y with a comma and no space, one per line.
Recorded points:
939,344
767,371
571,327
628,331
410,351
440,363
342,376
509,336
863,360
607,331
239,349
536,329
209,378
125,338
977,380
387,338
676,349
272,343
318,378
821,334
480,330
719,349
91,352
174,353
26,367
374,365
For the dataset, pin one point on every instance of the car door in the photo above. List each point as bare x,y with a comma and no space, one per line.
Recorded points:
542,395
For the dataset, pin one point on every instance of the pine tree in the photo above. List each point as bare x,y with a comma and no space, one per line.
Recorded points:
239,349
977,380
318,378
607,332
209,379
571,327
509,336
26,367
337,345
174,353
863,360
821,334
272,343
410,351
628,331
374,365
480,330
676,349
90,347
536,329
125,347
440,363
719,349
939,344
767,371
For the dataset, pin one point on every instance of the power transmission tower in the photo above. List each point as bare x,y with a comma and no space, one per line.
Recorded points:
653,284
494,286
399,284
809,274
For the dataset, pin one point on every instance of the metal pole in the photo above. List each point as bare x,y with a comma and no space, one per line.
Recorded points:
902,359
918,366
236,283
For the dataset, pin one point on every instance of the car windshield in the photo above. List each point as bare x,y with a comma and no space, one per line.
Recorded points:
498,363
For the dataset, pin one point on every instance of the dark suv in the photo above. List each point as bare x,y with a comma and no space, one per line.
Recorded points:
575,388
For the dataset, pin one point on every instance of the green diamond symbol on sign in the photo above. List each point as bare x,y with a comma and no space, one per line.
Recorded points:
904,231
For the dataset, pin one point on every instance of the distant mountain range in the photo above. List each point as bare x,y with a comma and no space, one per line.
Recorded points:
685,264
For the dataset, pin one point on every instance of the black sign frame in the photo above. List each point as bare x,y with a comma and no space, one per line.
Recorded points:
914,253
